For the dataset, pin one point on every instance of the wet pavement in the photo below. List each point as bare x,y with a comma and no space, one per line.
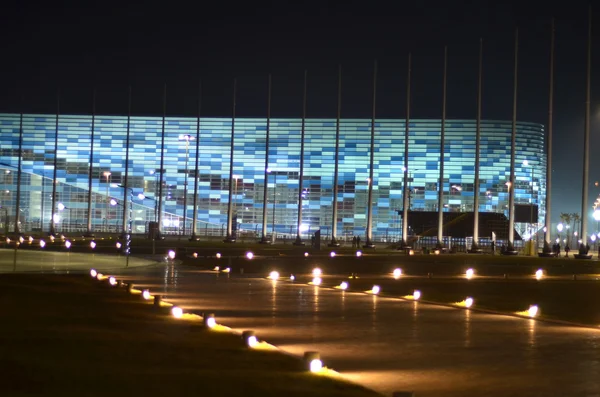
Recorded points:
389,344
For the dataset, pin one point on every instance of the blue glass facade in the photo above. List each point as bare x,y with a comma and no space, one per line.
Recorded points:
109,150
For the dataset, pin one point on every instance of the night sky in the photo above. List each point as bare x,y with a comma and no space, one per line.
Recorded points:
78,46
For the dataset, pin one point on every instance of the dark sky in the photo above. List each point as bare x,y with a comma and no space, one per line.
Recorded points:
79,45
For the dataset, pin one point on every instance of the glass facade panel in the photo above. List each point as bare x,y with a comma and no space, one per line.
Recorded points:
178,171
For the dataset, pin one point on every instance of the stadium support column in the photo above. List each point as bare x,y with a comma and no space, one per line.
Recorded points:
586,143
162,164
230,238
510,250
91,168
263,239
334,242
475,245
440,234
547,250
301,176
405,202
18,203
369,231
54,175
126,181
195,211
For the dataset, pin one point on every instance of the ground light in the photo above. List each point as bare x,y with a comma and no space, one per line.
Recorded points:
539,274
416,295
375,290
42,243
195,254
216,268
533,311
92,244
171,254
274,275
343,285
68,244
51,238
219,255
249,255
292,277
30,239
93,273
313,362
332,254
469,302
317,272
358,254
249,338
118,245
209,320
177,312
21,239
316,281
112,281
146,294
227,270
306,254
397,273
469,274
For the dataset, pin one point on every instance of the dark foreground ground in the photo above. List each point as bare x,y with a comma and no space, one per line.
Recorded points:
70,335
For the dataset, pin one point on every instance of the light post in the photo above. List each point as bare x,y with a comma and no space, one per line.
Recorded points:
62,207
273,237
114,202
531,224
559,228
107,175
187,138
5,219
235,179
597,218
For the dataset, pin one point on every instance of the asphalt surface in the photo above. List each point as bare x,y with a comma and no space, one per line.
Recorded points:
389,344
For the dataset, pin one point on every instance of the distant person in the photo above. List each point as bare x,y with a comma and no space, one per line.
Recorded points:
357,241
493,247
353,241
567,249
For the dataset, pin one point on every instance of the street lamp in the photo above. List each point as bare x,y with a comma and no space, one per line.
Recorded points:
62,207
531,224
5,219
274,202
559,227
107,175
187,138
597,218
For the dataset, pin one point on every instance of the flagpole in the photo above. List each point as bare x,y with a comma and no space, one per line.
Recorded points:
440,235
334,242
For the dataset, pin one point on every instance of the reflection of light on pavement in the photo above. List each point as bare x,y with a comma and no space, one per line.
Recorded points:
274,301
316,302
467,328
531,343
415,314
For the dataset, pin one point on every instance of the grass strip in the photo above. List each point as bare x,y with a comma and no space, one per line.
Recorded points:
71,335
